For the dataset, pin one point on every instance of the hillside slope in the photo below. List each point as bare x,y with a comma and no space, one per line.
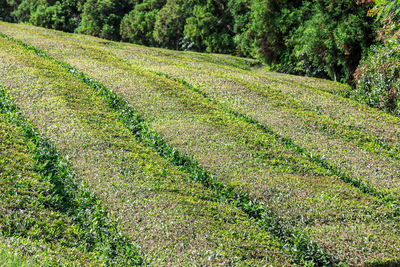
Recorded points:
269,168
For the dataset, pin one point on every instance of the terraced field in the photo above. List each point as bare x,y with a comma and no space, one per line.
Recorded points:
199,159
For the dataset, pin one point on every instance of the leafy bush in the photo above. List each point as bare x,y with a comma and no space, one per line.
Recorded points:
269,24
61,16
378,77
240,10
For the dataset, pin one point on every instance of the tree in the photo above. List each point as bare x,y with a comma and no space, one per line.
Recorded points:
266,26
6,10
137,26
170,23
103,17
22,9
62,15
333,39
210,27
241,12
378,75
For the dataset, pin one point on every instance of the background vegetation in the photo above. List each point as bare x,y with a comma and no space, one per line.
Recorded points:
317,38
378,76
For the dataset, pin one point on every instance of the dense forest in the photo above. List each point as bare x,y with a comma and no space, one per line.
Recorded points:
345,40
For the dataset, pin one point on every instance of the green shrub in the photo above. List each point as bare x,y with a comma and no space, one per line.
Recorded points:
332,41
61,16
378,77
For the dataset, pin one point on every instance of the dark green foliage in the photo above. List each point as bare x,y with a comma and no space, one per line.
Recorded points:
5,11
270,24
240,10
333,39
63,15
210,27
378,75
170,23
378,78
137,26
102,18
315,37
22,10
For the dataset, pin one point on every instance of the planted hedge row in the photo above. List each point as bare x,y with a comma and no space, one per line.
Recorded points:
55,199
367,137
392,200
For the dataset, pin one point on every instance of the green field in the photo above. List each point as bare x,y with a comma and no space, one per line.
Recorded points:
189,159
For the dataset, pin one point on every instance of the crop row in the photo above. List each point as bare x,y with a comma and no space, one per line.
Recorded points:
391,154
373,151
313,118
45,215
311,97
170,217
297,98
318,160
298,192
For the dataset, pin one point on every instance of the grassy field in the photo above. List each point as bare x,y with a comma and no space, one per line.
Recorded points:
210,159
46,216
169,217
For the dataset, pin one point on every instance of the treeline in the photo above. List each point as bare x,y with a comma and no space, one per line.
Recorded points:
320,38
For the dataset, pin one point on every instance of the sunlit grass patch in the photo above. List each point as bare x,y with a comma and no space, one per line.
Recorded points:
8,257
